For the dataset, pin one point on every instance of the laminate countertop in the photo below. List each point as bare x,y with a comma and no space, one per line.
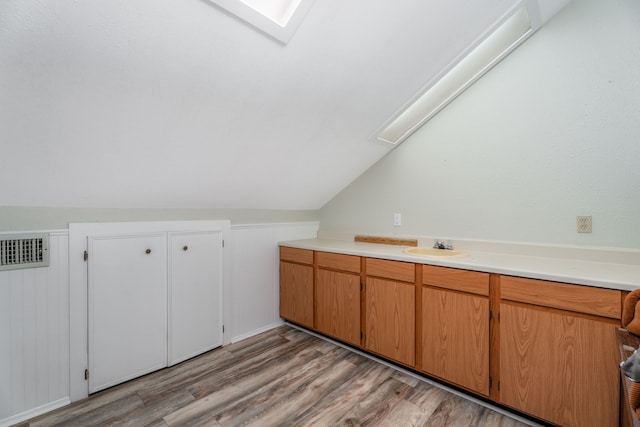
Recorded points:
612,269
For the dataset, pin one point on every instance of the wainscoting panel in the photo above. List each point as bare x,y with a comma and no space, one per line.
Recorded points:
255,278
34,336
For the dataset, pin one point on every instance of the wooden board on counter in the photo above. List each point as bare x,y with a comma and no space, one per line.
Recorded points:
386,240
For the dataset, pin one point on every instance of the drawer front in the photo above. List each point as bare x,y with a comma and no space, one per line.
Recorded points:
395,270
302,256
339,261
460,280
581,299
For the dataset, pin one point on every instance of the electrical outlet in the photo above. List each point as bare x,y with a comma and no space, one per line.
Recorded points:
397,219
583,224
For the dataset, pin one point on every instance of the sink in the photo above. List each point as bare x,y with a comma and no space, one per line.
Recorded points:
436,253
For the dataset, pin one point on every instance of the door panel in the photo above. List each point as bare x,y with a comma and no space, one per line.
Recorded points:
390,319
455,337
296,293
195,294
127,302
559,367
338,305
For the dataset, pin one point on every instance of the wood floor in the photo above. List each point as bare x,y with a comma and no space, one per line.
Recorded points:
281,377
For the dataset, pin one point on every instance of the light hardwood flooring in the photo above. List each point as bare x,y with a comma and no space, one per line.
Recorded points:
283,377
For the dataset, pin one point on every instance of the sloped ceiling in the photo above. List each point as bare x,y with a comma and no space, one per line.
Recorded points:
164,103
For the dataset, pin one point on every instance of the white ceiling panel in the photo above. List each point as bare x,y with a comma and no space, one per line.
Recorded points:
158,103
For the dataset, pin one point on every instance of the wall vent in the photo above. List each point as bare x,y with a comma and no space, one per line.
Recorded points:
24,251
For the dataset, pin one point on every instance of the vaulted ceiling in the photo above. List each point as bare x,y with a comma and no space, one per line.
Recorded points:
164,103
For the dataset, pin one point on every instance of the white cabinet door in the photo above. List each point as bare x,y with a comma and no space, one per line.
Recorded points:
195,294
127,307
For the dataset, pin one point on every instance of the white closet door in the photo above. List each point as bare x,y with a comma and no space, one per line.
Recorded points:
127,292
195,294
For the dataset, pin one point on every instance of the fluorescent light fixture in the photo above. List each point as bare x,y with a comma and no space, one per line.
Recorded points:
508,34
277,18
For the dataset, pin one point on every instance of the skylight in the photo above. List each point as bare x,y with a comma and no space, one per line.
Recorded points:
277,18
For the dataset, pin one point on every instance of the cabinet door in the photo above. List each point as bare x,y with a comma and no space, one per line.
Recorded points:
390,319
559,367
195,294
338,305
296,293
127,307
455,337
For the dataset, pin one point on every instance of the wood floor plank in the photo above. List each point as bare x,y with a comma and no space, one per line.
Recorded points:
102,414
267,366
377,405
495,419
332,407
235,385
405,414
281,377
298,398
428,397
150,413
455,411
185,374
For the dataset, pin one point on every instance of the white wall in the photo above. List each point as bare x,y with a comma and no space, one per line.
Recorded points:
43,322
255,302
550,133
14,218
34,336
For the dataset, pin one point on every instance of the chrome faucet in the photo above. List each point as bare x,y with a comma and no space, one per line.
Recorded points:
439,244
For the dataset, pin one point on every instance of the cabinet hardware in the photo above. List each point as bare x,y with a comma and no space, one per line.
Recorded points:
86,374
490,382
148,251
86,255
185,248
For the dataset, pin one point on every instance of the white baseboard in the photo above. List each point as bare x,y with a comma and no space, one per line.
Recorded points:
255,332
23,416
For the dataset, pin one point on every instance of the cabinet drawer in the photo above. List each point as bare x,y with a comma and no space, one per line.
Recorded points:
396,270
581,299
303,256
339,261
452,278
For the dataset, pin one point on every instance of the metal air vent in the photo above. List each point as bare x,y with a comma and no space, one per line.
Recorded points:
24,251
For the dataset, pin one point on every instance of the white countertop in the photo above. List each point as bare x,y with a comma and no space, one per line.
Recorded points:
622,276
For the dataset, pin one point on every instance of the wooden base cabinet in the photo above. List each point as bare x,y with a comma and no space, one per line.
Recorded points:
338,297
455,333
455,327
390,310
543,348
296,286
555,364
